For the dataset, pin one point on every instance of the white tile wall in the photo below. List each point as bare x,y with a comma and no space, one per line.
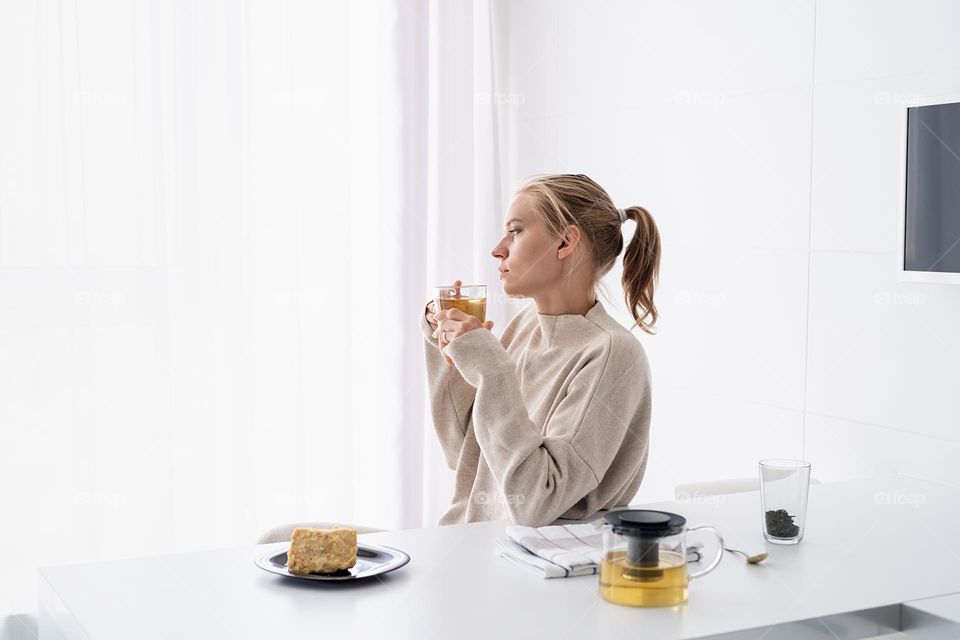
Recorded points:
856,144
732,323
616,55
862,39
882,351
842,449
749,186
763,137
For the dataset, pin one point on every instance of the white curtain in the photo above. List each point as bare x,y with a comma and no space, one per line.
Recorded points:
459,170
218,224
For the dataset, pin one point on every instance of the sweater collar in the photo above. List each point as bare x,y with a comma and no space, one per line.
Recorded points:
558,329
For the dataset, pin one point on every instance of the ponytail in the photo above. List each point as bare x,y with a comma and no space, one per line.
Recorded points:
641,268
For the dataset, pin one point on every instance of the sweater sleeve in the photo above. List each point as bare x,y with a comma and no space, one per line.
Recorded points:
451,397
542,475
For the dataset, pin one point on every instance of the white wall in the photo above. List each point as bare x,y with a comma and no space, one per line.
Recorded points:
763,137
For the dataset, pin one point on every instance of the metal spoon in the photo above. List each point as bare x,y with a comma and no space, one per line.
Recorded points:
754,559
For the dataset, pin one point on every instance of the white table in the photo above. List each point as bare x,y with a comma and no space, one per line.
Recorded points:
869,546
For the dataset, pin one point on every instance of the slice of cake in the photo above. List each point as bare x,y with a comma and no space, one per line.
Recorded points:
321,550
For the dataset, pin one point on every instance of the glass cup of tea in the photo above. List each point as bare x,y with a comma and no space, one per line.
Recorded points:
471,299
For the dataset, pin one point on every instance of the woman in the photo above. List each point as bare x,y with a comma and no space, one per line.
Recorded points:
552,419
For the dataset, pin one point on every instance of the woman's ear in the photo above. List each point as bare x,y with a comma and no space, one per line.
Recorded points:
569,240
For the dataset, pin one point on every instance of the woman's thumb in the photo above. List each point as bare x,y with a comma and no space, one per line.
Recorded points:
488,324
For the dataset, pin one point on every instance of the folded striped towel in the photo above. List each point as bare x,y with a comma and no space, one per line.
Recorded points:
561,551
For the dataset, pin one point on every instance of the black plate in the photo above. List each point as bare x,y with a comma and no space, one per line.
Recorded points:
372,560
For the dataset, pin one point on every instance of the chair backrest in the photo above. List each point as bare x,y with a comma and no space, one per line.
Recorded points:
692,490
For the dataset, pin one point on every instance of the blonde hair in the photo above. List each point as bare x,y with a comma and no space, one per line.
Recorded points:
567,199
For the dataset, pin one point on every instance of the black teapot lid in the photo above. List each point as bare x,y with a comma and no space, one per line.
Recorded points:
645,523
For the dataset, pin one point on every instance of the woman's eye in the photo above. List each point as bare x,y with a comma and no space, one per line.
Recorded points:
514,232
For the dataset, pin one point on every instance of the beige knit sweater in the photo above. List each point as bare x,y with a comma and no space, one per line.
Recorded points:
551,420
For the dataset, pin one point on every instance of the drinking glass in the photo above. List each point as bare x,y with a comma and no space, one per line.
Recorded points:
784,485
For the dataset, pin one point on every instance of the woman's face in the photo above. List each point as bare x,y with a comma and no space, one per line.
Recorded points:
529,255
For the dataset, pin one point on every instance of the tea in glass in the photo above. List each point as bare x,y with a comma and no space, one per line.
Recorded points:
471,299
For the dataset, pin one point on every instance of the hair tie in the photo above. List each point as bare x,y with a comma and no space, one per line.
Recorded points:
622,214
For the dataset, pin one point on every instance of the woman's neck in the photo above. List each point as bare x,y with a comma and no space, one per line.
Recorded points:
560,303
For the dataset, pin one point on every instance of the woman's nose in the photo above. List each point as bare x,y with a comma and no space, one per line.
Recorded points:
498,252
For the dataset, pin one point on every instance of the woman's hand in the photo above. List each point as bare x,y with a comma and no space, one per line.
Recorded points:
452,323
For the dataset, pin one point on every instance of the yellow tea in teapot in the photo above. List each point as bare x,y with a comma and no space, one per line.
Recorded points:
631,583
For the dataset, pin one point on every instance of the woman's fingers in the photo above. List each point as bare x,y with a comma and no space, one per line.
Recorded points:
448,330
430,312
453,314
442,345
455,327
458,322
456,287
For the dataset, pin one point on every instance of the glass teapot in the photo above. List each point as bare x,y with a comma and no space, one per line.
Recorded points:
644,559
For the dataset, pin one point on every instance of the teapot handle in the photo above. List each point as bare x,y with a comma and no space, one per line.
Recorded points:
717,558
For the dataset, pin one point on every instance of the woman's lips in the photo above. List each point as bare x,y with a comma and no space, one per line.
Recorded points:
503,273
